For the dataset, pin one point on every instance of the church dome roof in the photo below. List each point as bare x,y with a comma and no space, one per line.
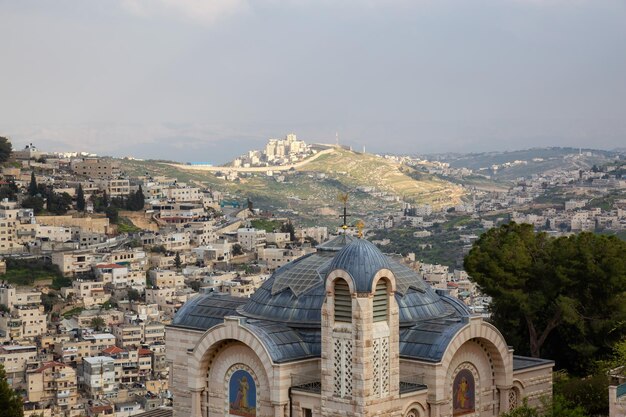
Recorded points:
295,293
362,260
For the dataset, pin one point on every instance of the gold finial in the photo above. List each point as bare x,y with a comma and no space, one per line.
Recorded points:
360,226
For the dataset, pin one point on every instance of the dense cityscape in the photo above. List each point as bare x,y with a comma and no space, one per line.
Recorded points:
294,208
97,262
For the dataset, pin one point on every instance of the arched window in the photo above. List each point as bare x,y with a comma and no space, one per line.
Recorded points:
380,345
513,398
381,301
343,302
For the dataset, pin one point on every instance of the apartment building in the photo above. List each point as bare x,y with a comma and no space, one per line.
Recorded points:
54,233
97,168
53,383
274,258
278,239
99,377
75,262
91,293
176,213
11,296
15,358
131,365
182,194
128,335
137,257
116,187
251,238
202,232
15,227
33,319
166,279
73,351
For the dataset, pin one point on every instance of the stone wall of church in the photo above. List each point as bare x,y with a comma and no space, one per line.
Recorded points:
473,357
177,343
232,357
534,384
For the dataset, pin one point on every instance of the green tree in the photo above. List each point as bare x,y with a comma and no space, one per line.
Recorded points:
136,200
237,249
97,323
590,394
545,291
9,191
33,189
133,295
5,149
34,202
80,198
177,261
58,203
561,407
523,410
10,402
112,214
288,228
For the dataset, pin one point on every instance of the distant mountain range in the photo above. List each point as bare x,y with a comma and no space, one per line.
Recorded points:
512,164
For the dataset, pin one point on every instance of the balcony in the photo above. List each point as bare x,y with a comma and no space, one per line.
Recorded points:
412,383
306,383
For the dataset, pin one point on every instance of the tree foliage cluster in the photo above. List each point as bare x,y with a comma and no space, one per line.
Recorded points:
111,206
27,271
9,191
560,298
558,407
41,194
5,149
10,401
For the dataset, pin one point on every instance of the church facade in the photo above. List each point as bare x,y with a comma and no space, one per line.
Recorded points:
345,331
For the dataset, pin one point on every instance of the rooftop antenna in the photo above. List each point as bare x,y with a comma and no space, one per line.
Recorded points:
343,197
337,137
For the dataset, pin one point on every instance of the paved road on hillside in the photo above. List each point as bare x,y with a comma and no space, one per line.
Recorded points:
253,169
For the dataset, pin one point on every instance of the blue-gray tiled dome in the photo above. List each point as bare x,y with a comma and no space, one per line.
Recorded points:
362,260
285,312
295,293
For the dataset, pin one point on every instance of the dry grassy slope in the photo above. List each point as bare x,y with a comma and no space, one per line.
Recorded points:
359,169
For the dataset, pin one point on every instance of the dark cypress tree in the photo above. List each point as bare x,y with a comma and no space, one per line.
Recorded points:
140,199
32,187
177,262
80,198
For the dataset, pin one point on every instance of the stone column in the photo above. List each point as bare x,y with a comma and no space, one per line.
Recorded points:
279,410
196,402
504,398
438,407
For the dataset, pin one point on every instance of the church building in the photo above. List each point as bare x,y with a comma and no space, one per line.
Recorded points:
345,331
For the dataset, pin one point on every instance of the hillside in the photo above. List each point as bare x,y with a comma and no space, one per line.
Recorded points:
310,190
356,169
529,161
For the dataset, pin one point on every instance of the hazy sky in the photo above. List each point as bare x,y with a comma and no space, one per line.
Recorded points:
204,80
